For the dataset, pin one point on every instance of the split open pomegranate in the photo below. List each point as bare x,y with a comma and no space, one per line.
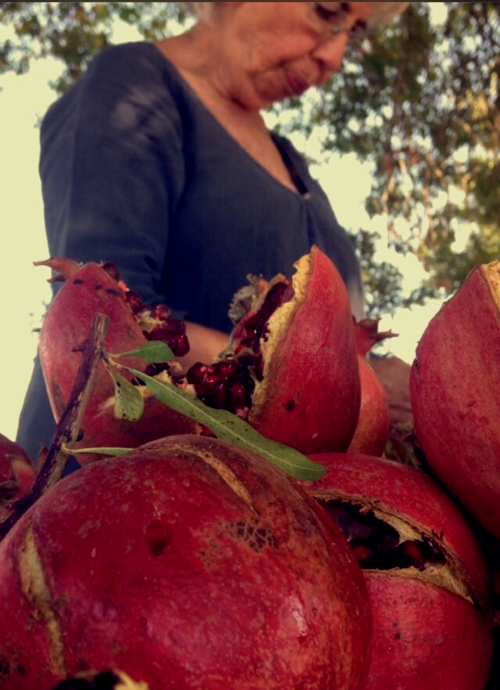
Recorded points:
91,289
426,576
291,368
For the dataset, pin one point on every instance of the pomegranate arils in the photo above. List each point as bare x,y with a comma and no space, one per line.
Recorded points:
134,301
227,368
164,329
255,326
111,269
375,544
161,311
197,372
179,345
239,393
225,384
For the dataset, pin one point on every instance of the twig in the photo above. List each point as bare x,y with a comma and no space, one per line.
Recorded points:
68,428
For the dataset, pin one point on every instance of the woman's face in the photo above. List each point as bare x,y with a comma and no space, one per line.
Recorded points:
279,49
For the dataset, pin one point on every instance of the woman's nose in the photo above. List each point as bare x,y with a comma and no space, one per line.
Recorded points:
330,52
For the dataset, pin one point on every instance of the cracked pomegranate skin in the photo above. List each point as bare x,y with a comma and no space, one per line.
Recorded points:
187,563
455,394
424,633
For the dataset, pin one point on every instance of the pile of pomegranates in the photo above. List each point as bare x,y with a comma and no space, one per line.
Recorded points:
190,562
300,331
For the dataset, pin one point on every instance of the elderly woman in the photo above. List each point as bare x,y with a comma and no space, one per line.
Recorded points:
159,160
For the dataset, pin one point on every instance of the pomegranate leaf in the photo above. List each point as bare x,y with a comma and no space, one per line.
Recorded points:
129,403
228,427
154,351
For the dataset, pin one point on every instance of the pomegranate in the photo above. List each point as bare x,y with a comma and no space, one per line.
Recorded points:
291,367
187,563
455,394
426,576
372,430
16,474
96,288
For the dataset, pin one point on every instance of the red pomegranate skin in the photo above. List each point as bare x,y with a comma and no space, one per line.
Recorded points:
311,393
425,637
187,563
88,291
424,634
455,394
372,430
67,326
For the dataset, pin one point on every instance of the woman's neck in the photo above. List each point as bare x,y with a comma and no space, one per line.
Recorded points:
198,57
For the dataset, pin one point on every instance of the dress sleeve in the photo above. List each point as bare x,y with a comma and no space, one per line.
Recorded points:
112,167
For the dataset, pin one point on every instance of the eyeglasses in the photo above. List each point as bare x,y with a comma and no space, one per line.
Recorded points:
338,16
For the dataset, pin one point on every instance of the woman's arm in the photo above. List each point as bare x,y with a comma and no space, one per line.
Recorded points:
205,344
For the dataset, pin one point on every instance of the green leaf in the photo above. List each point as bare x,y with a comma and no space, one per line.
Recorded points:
129,403
154,351
115,452
228,427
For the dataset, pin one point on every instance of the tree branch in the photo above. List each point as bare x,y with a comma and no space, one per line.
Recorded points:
68,428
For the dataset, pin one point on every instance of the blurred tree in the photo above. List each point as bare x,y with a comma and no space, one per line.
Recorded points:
419,100
74,32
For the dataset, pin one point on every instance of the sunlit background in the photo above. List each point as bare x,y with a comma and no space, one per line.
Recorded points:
23,288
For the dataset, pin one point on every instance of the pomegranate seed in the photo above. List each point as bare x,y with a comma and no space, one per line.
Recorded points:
360,550
161,311
111,269
180,346
196,373
155,368
219,395
208,383
134,301
227,368
238,393
173,327
413,554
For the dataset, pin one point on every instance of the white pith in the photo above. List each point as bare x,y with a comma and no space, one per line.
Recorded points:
277,327
491,272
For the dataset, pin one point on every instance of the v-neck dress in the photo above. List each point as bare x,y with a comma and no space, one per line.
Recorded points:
136,170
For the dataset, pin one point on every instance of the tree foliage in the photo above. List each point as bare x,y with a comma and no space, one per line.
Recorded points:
420,101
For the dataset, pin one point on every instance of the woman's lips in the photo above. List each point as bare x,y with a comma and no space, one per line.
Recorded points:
296,83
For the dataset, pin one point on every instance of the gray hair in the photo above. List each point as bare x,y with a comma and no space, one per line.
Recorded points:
383,12
201,10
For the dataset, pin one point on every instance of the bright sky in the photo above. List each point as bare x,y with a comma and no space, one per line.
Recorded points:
23,287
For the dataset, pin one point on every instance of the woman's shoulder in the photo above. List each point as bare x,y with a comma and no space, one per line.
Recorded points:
132,62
